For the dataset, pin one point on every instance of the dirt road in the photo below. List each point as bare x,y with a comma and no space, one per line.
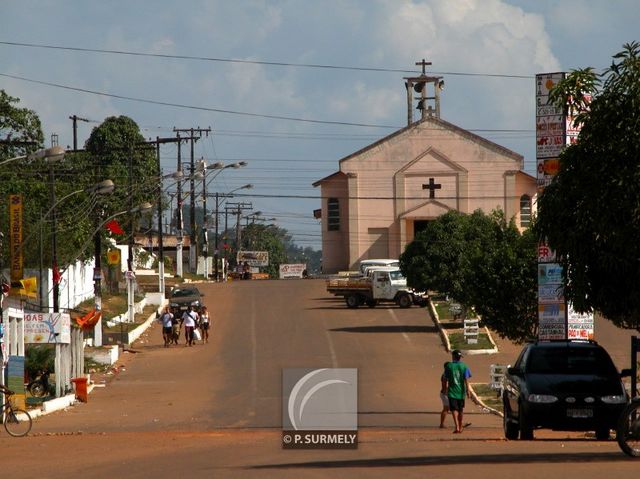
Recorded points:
214,410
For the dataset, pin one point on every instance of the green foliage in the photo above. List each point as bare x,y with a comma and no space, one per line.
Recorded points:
590,213
483,262
39,357
18,126
258,237
110,147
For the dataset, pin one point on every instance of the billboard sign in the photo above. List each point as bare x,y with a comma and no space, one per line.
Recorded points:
551,321
550,120
550,293
580,325
253,258
47,328
549,273
292,270
15,238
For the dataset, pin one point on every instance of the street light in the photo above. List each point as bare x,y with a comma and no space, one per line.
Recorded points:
53,154
220,167
226,195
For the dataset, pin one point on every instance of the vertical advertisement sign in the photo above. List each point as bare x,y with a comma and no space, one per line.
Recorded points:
551,125
15,238
550,129
554,131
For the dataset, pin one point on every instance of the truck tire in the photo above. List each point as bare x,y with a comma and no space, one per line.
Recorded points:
404,301
372,303
352,300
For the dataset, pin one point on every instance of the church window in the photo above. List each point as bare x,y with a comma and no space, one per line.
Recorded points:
333,214
525,211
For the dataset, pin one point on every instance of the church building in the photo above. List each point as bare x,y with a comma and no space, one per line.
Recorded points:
384,194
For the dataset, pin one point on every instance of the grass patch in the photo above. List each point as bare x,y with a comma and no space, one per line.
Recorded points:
443,311
488,395
458,342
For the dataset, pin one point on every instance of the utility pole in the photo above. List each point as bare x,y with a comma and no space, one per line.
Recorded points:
237,209
74,119
161,283
179,219
192,185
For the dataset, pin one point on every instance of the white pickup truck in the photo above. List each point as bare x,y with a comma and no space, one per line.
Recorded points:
380,285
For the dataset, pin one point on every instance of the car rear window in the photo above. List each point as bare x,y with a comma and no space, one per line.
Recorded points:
593,361
179,293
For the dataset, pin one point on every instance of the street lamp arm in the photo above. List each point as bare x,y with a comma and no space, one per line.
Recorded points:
54,153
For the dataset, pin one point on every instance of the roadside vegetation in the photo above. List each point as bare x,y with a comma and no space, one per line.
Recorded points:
482,262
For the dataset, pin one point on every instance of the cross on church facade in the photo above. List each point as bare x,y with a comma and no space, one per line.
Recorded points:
432,187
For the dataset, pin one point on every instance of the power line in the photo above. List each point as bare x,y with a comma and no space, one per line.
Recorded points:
194,107
257,62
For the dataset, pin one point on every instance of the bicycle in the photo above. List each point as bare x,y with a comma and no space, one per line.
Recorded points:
628,428
17,422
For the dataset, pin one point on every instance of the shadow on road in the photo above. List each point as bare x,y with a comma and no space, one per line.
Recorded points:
457,460
387,329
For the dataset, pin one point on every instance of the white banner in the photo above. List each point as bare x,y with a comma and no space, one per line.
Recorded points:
580,324
47,328
292,270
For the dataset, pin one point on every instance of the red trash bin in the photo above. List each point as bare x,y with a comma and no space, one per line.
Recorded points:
82,394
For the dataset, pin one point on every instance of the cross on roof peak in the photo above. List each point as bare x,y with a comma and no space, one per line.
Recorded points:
424,64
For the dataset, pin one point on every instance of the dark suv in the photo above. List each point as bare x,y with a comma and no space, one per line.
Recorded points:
565,386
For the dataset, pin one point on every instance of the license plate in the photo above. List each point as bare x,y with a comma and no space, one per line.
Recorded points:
579,413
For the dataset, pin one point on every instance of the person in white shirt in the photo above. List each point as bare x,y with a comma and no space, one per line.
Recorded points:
166,319
205,324
189,320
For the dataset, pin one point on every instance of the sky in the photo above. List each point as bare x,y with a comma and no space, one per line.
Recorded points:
293,86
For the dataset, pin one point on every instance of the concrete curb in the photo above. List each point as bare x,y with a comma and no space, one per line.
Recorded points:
436,320
476,399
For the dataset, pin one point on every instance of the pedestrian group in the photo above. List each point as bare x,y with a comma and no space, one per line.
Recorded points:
196,326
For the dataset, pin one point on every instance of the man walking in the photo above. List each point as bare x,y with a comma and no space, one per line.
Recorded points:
456,387
189,320
166,319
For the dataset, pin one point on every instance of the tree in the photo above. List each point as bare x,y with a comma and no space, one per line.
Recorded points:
110,148
481,261
258,237
20,129
590,213
20,134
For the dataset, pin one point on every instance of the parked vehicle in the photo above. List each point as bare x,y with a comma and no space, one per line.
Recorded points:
367,263
382,284
182,297
39,386
565,386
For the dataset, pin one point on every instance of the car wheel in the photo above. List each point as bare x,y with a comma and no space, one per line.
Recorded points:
602,434
510,428
352,301
526,431
404,301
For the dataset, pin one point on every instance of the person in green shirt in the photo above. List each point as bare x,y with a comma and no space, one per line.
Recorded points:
456,387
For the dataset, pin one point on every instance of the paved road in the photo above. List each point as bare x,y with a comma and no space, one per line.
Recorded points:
214,410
